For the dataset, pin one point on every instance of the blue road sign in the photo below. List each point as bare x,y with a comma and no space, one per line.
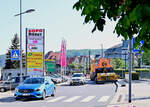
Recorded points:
15,54
138,50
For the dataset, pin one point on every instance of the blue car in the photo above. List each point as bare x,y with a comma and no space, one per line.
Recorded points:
35,87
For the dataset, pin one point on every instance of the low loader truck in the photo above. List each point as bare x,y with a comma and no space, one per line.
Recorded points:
102,71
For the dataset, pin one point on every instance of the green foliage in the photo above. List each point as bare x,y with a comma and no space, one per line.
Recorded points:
76,66
118,63
142,70
9,63
132,17
146,58
73,65
135,76
78,72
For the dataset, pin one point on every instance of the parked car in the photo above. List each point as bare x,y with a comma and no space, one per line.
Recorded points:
55,79
78,78
11,83
64,78
35,87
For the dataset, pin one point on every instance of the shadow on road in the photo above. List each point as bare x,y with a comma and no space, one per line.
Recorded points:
7,99
89,82
12,99
142,98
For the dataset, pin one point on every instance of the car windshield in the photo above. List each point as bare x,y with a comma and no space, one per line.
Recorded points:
77,75
34,81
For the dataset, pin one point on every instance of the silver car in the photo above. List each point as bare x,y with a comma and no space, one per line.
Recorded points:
78,78
11,83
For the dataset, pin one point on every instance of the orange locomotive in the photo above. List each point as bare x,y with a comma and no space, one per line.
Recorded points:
102,71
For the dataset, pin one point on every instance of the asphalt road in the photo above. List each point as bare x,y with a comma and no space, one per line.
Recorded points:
88,95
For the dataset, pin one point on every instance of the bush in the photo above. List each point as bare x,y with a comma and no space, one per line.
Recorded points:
135,76
78,71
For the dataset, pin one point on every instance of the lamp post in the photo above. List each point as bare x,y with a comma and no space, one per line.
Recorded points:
20,14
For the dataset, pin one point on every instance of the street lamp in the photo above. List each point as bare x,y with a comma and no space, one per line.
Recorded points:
20,14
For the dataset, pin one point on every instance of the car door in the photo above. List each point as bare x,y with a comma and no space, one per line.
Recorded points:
47,87
51,86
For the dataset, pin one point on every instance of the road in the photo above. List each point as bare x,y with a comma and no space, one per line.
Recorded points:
89,95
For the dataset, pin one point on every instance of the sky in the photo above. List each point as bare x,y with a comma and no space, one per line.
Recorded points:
59,20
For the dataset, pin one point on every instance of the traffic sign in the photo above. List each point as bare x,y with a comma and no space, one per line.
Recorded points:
138,50
15,54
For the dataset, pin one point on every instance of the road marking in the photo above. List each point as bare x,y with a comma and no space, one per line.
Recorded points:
103,99
56,99
87,99
72,99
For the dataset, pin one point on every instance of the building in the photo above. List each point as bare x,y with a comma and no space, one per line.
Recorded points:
118,51
78,60
53,55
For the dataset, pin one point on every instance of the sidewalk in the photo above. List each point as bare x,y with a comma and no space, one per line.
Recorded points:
140,95
6,94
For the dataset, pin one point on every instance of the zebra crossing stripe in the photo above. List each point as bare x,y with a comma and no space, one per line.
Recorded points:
72,99
87,99
103,99
56,99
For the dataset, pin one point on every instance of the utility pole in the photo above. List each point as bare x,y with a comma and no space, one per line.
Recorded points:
20,41
102,50
130,69
89,60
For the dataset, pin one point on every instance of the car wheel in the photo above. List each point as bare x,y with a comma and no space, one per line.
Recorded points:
2,90
17,99
44,95
54,92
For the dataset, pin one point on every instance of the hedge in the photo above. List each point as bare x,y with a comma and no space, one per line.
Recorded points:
137,70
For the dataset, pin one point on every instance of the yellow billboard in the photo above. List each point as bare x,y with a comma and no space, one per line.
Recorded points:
34,59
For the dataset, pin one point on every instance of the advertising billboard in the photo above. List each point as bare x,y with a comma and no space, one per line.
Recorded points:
35,51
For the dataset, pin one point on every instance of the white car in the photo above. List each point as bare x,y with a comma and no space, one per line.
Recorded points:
78,78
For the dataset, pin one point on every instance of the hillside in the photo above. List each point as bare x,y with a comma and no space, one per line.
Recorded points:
80,52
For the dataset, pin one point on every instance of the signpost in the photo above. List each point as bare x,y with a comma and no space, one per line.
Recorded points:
35,51
15,54
137,50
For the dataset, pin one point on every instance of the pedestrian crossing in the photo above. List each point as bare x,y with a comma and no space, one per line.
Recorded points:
81,99
87,99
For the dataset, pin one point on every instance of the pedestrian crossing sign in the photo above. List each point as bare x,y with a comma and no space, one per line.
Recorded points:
15,54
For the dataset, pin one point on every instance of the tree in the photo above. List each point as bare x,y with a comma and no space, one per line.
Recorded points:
132,17
118,63
146,58
14,45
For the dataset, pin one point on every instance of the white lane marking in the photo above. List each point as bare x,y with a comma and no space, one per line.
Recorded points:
103,99
56,99
87,99
72,99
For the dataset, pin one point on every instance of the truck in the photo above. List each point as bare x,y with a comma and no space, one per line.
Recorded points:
102,71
